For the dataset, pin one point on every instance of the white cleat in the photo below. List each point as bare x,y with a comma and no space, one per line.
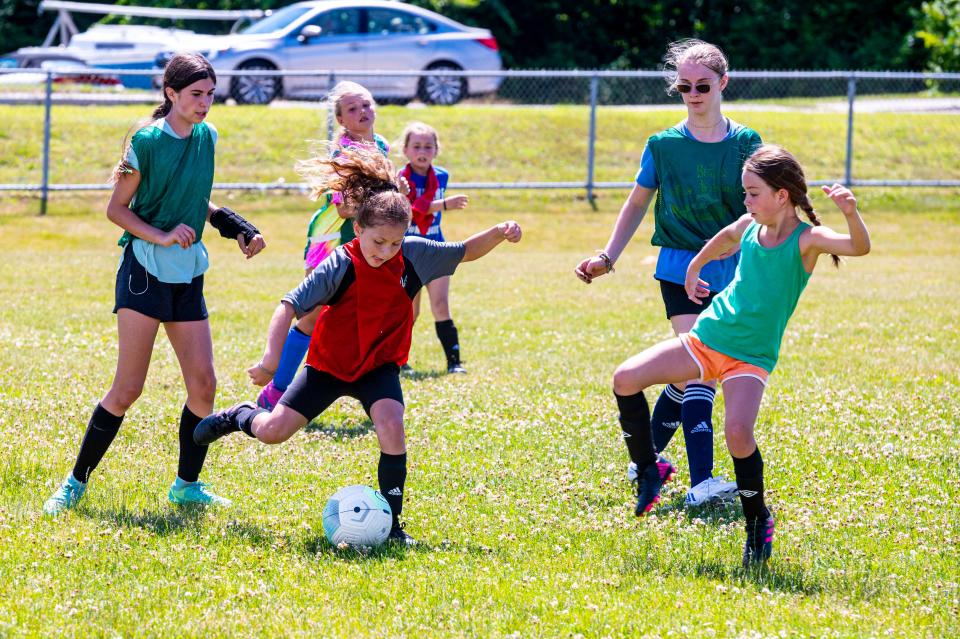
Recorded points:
711,489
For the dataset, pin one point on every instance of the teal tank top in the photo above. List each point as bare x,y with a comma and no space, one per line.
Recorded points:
700,190
747,319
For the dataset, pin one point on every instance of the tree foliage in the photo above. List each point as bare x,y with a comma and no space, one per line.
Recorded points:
938,24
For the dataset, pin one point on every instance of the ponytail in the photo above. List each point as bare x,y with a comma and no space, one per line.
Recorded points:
183,70
807,207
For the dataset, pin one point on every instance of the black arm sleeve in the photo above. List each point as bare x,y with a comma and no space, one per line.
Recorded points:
231,224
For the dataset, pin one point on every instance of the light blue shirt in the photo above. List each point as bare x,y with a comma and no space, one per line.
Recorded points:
169,264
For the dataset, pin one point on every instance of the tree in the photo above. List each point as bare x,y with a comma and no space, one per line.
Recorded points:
938,24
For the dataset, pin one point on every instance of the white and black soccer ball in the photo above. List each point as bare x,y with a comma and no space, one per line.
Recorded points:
357,516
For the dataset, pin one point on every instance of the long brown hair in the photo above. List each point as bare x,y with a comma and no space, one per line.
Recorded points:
183,70
780,170
365,178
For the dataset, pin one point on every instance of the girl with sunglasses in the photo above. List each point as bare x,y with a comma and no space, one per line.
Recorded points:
693,168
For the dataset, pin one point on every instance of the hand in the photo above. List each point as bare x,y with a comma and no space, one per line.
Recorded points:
456,202
256,245
842,197
590,268
259,375
402,185
695,287
182,234
510,230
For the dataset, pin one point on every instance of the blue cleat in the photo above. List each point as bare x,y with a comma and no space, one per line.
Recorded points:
66,496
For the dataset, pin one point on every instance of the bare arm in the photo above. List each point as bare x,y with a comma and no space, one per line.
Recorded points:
450,203
482,243
118,212
823,240
264,370
724,243
631,215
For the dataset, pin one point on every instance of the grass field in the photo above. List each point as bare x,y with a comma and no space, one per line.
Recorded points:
516,484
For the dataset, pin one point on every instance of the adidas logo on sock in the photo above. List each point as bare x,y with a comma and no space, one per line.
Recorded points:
702,427
672,425
748,493
396,492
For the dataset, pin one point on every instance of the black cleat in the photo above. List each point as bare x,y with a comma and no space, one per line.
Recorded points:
454,369
398,536
217,425
649,482
759,544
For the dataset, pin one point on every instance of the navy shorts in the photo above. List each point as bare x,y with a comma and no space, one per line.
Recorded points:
142,292
676,302
312,391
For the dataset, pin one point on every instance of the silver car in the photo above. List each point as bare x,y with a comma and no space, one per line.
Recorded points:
345,35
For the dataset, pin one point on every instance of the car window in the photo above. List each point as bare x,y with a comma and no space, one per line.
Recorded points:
389,21
276,21
337,22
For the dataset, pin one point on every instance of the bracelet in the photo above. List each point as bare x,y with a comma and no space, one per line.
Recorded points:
444,200
606,261
265,369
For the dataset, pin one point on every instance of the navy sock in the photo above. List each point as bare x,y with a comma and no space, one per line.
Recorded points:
392,474
635,424
294,348
192,454
101,430
666,416
696,414
450,340
749,472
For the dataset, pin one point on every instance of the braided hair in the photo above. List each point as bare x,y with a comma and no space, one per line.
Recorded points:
780,170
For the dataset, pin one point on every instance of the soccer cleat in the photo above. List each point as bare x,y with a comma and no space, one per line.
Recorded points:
759,545
65,497
398,536
215,426
406,369
196,492
711,489
631,472
269,396
667,471
649,482
456,368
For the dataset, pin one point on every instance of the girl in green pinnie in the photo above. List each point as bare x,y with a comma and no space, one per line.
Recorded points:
161,199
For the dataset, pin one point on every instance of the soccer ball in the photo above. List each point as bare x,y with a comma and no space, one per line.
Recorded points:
357,516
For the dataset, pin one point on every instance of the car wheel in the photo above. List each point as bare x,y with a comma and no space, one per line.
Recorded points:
255,89
442,89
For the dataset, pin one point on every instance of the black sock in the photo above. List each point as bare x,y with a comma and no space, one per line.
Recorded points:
635,423
245,416
749,472
191,453
450,340
392,473
697,417
101,430
666,416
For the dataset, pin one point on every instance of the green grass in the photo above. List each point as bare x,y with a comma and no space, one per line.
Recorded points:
516,481
480,142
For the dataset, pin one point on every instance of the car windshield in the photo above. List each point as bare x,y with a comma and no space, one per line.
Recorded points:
276,21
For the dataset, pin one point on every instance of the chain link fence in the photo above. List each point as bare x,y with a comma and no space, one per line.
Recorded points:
580,130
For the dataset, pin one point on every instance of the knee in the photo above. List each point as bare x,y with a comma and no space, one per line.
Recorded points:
125,394
624,382
740,440
390,430
203,387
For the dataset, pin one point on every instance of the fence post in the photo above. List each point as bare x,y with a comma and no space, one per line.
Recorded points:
330,108
45,181
851,97
591,142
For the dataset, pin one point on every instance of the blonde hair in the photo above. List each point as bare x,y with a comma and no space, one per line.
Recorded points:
780,170
693,50
419,128
342,90
365,178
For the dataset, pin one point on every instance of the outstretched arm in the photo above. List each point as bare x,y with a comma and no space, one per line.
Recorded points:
450,203
482,243
724,243
631,214
824,240
264,370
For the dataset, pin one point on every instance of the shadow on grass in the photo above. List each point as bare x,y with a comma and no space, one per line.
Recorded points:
166,521
340,430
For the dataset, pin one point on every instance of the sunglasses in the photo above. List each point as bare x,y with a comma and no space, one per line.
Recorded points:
702,87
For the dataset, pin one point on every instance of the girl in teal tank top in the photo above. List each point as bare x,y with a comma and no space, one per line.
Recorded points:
737,338
161,200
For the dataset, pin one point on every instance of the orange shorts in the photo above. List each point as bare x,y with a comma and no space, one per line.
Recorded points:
716,365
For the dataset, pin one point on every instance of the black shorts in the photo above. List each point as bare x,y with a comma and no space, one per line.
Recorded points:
677,303
142,292
312,391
